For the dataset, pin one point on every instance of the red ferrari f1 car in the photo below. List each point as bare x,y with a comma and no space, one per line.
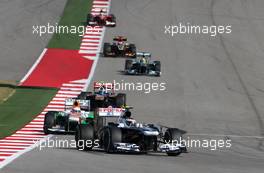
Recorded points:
101,19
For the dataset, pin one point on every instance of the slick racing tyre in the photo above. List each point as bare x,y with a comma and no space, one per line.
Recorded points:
84,137
107,50
89,18
157,67
173,135
133,50
113,19
111,136
128,64
120,100
82,95
49,121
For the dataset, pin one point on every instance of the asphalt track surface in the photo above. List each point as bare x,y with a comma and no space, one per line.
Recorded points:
19,47
214,86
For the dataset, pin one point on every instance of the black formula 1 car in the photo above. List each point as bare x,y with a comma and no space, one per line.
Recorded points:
143,65
113,132
119,48
103,96
101,19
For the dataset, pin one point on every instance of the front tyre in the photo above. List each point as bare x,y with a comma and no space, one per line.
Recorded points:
173,136
84,137
107,49
49,121
111,135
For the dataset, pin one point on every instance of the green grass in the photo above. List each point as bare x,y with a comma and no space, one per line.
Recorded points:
22,107
6,89
74,14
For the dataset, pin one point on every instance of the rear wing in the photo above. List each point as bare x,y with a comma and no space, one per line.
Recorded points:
144,54
101,85
103,10
120,38
83,104
110,112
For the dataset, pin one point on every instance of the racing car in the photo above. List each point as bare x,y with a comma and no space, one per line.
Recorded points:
101,19
119,48
142,65
66,121
103,95
114,132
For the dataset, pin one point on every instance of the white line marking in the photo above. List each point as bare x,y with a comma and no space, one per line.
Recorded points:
91,42
40,126
84,44
66,95
55,106
68,92
31,128
33,123
57,102
100,6
72,85
89,57
101,2
69,89
91,36
14,144
34,66
18,141
60,99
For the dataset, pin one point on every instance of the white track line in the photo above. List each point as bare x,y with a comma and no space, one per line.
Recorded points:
34,66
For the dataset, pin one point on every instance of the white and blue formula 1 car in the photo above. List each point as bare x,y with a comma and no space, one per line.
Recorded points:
117,132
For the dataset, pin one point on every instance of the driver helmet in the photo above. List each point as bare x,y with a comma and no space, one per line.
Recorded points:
102,91
101,12
127,114
143,60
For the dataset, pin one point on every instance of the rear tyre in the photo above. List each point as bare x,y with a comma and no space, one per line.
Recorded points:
111,135
107,49
113,19
82,96
84,137
49,121
120,100
157,67
133,50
